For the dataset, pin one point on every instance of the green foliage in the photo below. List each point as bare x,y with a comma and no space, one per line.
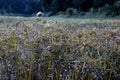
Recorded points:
71,11
92,10
99,2
117,7
82,13
61,13
112,10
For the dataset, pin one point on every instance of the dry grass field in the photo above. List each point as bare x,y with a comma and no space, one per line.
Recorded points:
39,48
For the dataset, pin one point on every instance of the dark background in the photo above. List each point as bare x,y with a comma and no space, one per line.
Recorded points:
29,7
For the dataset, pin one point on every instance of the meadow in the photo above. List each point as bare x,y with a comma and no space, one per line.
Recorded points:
39,48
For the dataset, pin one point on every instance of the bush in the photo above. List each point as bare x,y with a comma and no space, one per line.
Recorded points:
60,13
92,10
117,7
112,10
100,3
71,11
82,13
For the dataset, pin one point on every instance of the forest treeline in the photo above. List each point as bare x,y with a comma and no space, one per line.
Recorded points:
55,6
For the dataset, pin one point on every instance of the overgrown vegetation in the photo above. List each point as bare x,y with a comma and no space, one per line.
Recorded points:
43,50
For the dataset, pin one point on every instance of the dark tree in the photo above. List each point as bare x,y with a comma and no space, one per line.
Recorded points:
83,5
54,6
99,3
